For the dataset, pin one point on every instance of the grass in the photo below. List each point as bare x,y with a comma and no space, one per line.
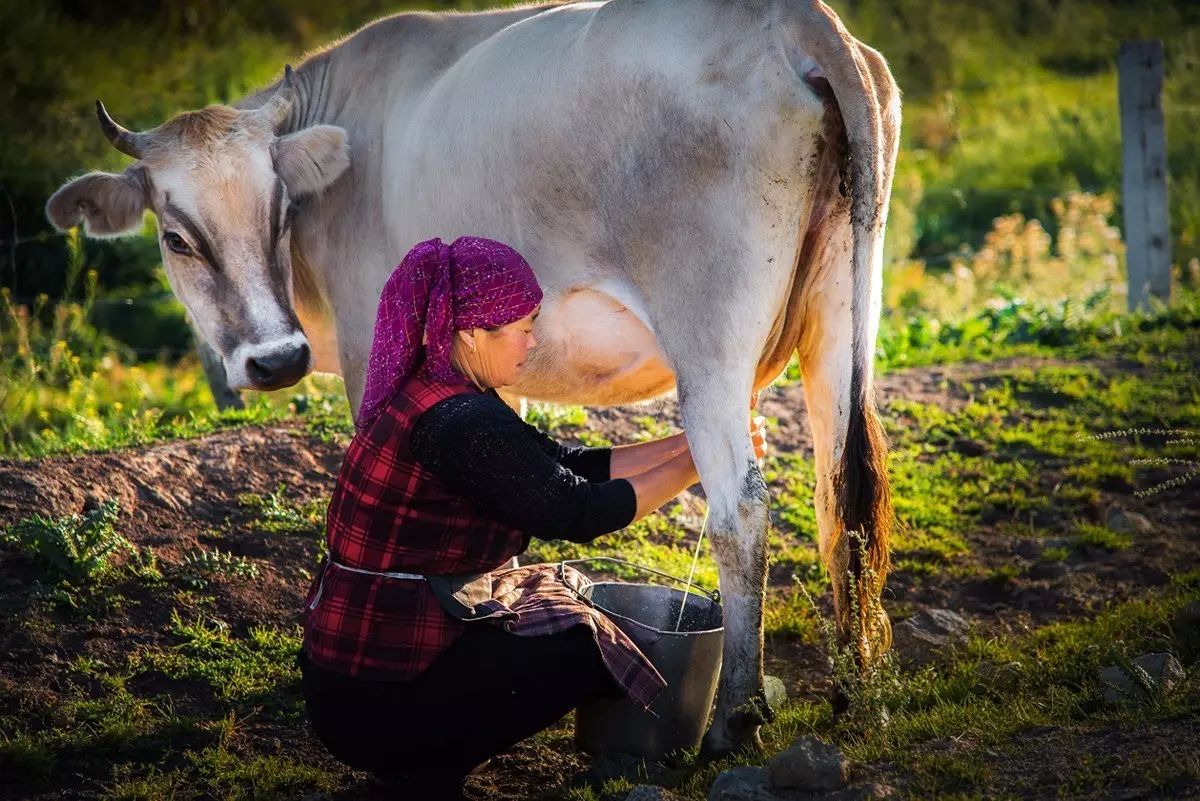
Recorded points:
208,696
1049,681
205,705
275,513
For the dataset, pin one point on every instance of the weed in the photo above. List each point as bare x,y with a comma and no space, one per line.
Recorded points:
864,668
276,514
198,565
76,548
257,669
1054,554
1095,536
1182,440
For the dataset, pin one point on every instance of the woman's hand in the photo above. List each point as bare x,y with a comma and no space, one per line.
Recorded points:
758,435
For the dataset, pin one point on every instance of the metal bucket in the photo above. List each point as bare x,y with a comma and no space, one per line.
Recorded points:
689,659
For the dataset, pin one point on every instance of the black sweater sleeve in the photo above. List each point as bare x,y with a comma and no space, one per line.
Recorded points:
594,464
481,449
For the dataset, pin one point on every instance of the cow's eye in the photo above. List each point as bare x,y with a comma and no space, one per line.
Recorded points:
177,243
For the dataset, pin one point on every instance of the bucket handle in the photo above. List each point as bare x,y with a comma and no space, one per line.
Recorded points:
713,595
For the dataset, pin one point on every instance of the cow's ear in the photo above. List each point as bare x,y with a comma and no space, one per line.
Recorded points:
109,204
312,158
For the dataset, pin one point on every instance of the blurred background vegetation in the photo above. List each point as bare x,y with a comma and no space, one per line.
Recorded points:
1004,223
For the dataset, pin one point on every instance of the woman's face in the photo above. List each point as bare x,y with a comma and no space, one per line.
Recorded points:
499,355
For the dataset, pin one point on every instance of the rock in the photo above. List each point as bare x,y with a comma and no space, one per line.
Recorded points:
650,792
808,765
1163,671
741,784
775,691
920,639
1117,686
1125,522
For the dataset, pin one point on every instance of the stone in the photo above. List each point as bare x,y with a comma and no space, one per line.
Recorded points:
808,765
744,783
1163,671
921,638
650,792
775,691
1126,522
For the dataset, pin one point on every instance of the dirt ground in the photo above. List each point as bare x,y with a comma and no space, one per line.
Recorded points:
178,495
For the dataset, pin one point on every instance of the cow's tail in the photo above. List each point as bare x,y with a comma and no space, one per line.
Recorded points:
868,101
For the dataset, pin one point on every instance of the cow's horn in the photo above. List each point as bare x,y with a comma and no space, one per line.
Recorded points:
275,110
123,139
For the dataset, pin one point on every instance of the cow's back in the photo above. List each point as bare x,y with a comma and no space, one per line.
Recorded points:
569,130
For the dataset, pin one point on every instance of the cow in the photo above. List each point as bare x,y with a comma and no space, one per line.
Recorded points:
701,187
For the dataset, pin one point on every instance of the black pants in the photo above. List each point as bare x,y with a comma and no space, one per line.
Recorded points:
490,690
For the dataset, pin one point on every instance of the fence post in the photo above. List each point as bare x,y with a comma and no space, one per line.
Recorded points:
1144,172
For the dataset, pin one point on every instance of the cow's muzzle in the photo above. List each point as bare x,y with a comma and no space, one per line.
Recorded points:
278,368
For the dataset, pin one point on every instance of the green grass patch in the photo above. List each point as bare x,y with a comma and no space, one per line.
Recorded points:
276,513
255,669
1089,535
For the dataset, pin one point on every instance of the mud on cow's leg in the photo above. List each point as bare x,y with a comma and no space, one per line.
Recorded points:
715,417
214,371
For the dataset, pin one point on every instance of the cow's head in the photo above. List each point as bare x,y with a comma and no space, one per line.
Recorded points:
222,185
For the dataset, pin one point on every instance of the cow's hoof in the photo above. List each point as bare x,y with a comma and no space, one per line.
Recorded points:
716,746
738,730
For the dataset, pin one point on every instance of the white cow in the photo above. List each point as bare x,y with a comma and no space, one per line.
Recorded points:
700,185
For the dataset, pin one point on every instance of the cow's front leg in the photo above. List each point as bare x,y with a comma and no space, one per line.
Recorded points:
214,372
715,416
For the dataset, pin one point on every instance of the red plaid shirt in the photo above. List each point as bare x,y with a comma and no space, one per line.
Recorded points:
389,514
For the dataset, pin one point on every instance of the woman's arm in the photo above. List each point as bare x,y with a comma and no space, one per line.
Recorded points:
631,460
479,448
662,482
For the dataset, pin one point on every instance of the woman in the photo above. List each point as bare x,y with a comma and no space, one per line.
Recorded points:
422,657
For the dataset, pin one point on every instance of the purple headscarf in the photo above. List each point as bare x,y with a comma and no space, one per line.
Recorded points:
439,289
